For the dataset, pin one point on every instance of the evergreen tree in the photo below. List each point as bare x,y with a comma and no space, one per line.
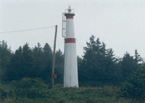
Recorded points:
21,64
98,64
138,59
129,64
38,66
5,55
27,61
47,63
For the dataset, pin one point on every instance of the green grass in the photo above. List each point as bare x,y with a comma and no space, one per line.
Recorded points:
58,94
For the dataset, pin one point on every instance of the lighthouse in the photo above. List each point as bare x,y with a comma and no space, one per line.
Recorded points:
70,56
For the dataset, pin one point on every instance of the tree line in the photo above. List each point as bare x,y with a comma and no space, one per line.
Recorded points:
98,66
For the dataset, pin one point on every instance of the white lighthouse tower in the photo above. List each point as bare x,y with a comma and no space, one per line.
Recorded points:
70,56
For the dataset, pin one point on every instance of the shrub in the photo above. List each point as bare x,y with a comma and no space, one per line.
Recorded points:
30,88
134,86
3,94
29,83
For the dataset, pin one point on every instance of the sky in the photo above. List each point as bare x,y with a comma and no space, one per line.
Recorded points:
120,24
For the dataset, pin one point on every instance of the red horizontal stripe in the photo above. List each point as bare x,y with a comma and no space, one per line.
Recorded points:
69,16
70,40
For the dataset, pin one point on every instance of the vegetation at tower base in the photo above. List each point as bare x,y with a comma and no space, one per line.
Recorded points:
101,74
28,90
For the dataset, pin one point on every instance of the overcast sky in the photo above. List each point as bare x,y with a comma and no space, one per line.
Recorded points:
118,23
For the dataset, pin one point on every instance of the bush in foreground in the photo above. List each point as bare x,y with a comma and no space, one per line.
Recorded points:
134,86
30,88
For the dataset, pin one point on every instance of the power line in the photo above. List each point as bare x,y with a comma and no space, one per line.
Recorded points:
79,44
60,43
28,29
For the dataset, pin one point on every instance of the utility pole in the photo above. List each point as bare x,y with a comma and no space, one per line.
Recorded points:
53,61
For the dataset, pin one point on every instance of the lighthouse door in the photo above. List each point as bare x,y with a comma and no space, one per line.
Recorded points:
63,25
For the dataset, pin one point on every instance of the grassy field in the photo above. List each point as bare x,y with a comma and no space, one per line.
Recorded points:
43,94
